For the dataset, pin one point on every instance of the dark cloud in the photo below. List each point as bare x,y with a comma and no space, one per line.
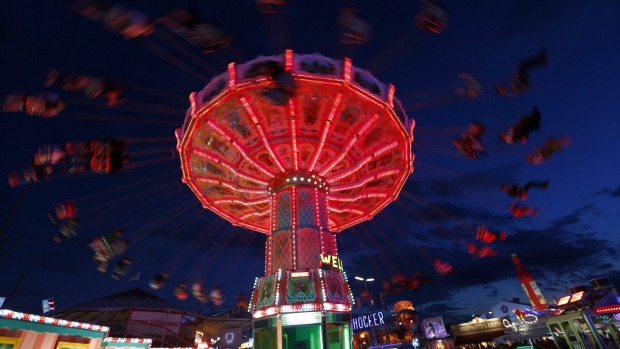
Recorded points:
444,189
493,294
602,191
612,192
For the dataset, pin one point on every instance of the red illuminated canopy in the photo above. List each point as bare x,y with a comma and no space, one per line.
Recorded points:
341,126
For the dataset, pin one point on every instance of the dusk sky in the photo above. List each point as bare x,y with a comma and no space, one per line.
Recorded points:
574,238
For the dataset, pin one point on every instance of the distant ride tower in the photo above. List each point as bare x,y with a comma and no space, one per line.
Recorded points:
529,285
298,164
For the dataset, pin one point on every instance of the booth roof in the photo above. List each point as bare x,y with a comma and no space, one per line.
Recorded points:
478,337
135,298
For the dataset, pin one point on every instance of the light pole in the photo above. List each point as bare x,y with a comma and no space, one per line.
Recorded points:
366,281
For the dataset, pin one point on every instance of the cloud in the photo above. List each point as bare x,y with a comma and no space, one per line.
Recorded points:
612,192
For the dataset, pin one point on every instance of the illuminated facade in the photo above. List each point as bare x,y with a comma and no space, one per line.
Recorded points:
333,155
26,331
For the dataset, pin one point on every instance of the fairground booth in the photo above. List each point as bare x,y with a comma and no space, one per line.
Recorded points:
28,331
398,328
478,333
139,314
434,333
589,317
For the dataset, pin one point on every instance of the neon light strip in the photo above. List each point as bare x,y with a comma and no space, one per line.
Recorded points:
254,214
216,159
291,107
606,309
267,312
205,204
399,187
258,127
278,282
390,95
333,209
366,180
272,218
9,314
347,70
300,274
350,144
288,59
241,202
295,308
363,162
127,340
317,217
346,198
229,185
336,307
294,225
232,76
192,104
223,133
326,130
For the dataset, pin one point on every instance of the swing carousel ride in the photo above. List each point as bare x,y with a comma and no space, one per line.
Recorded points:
331,154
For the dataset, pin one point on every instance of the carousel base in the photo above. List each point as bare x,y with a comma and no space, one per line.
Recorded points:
303,330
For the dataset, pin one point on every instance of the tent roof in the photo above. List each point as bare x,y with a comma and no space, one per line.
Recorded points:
135,298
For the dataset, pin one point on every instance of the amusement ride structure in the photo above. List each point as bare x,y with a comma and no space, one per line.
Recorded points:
332,153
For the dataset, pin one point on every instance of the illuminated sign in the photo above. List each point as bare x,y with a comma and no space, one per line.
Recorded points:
198,337
300,274
247,345
304,318
230,338
434,327
480,326
169,321
563,300
366,321
331,261
402,305
576,297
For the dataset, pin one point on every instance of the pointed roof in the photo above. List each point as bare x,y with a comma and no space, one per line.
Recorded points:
135,298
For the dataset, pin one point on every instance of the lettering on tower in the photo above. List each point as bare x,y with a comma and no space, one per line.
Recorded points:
331,262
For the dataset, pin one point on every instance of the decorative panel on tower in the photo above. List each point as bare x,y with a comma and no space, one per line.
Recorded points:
335,288
284,210
308,248
322,210
329,243
282,250
305,208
